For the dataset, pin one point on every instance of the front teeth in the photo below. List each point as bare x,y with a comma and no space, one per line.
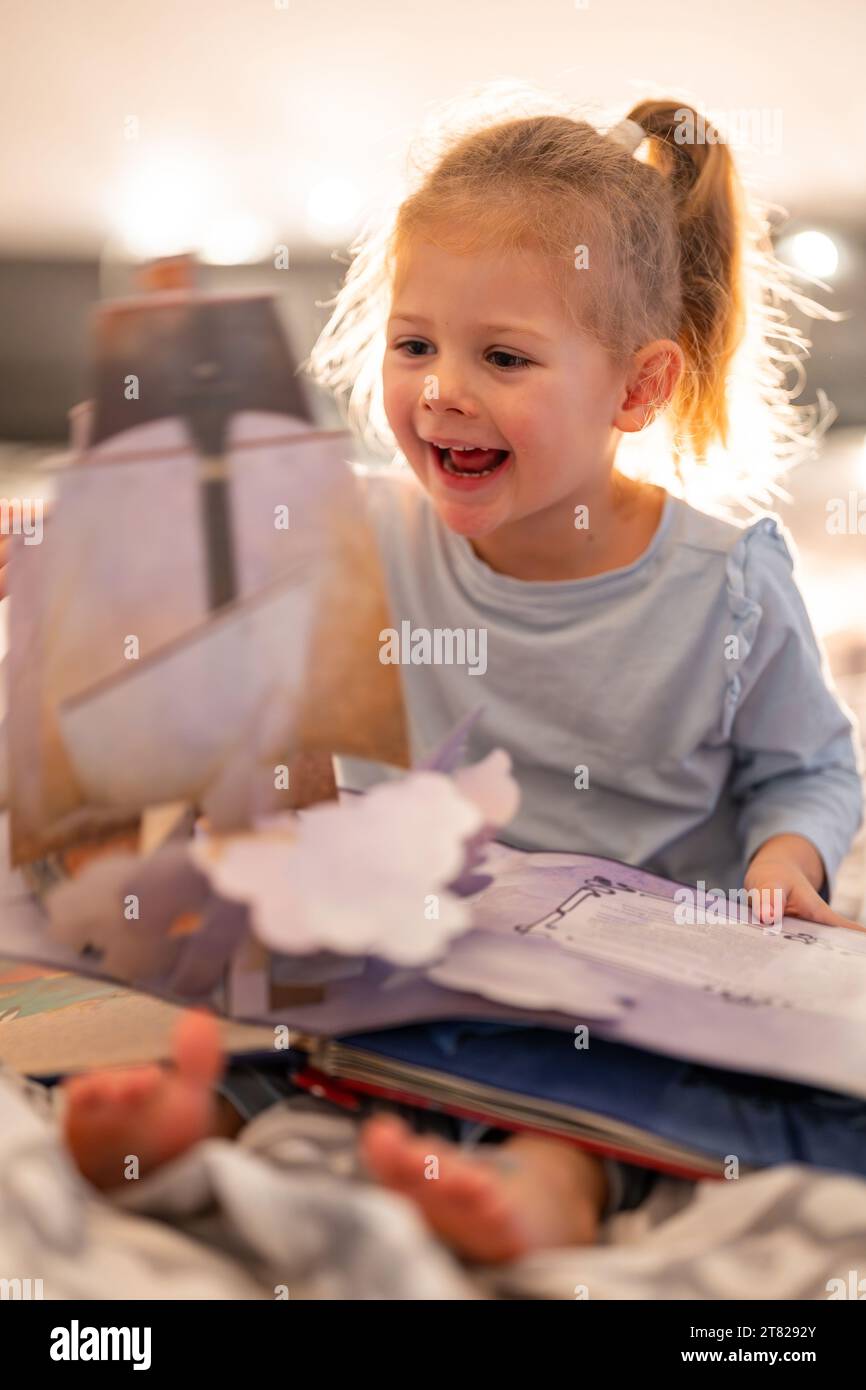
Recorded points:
467,472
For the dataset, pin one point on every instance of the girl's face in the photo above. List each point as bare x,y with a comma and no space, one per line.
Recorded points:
480,352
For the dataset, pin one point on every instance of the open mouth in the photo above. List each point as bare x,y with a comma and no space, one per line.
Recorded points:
472,464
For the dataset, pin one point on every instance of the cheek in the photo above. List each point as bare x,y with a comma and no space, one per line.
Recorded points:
388,391
562,422
544,411
534,431
399,397
521,422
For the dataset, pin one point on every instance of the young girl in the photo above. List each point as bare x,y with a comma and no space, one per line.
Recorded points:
545,290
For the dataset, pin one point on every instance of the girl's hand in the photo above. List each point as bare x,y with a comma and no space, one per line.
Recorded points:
797,895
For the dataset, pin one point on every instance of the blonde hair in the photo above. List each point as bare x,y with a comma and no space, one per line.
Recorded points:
679,250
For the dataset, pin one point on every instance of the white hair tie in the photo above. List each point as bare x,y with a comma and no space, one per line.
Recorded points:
628,134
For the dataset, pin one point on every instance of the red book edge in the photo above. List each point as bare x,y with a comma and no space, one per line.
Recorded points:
345,1093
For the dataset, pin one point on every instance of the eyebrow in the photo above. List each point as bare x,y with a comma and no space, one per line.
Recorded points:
490,327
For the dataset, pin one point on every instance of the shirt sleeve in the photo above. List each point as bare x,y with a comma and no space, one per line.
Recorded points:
798,764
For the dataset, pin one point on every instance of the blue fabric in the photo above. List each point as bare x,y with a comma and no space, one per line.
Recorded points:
761,1120
689,685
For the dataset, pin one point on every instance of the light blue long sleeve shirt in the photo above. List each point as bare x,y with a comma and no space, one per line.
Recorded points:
674,713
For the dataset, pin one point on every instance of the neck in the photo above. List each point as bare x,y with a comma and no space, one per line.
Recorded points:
562,542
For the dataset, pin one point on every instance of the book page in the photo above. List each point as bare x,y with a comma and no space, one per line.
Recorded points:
614,914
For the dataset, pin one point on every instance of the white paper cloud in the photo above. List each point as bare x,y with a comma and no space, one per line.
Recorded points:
366,876
490,785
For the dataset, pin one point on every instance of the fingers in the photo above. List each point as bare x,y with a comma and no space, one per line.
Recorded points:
804,901
840,921
820,912
798,898
774,897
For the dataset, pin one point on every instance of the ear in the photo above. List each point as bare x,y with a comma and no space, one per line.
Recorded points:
651,381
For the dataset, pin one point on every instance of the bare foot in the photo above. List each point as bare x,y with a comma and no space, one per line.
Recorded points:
150,1113
530,1193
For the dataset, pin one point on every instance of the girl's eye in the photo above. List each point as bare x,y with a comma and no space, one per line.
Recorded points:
515,362
416,347
413,343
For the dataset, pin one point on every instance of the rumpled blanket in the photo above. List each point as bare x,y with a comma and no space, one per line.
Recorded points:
285,1211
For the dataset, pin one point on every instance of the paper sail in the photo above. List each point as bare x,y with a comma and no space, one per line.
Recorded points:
125,685
203,358
162,730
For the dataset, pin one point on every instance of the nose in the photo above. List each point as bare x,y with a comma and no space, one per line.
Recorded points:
444,390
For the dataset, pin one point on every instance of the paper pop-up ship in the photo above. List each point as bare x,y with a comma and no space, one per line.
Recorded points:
206,585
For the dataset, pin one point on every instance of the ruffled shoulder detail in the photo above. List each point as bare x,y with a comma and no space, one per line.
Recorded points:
746,611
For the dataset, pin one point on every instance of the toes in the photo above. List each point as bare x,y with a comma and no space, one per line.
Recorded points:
133,1087
111,1087
464,1200
128,1087
394,1153
381,1143
467,1182
198,1052
402,1159
83,1092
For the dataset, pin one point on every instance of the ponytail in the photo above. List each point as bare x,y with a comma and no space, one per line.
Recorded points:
710,215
